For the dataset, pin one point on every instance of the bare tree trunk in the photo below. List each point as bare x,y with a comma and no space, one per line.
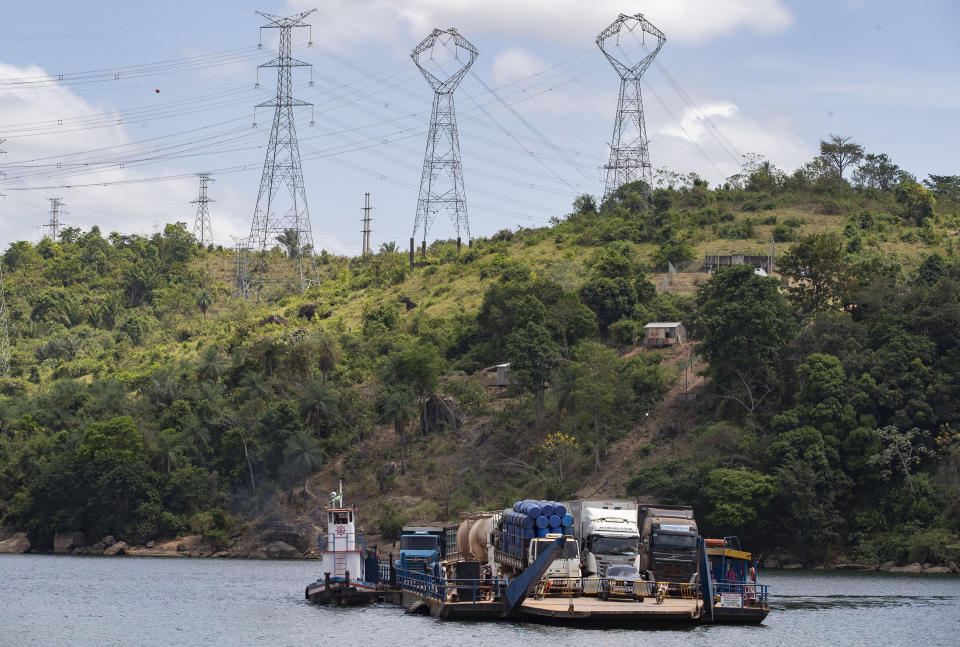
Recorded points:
246,455
399,429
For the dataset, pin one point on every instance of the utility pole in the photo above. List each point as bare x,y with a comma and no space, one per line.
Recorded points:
366,224
281,168
57,208
202,230
441,184
629,154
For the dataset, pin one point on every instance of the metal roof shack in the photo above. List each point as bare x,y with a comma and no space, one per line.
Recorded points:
664,333
498,375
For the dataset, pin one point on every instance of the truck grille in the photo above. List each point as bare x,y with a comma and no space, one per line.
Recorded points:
679,573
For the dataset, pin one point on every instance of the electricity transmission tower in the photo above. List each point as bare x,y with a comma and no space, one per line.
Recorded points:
57,208
202,230
366,224
281,169
441,185
242,285
629,155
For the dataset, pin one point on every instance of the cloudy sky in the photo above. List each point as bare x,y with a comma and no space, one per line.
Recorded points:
114,106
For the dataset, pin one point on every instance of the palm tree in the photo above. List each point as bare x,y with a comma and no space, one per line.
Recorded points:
253,385
318,403
195,435
302,455
211,364
204,300
327,353
399,406
290,239
166,451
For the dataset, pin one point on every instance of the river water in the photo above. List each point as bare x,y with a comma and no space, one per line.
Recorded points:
49,601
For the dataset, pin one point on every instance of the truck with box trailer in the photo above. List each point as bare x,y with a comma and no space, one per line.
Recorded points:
607,531
668,542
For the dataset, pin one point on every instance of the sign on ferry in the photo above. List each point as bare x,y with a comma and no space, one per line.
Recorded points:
731,600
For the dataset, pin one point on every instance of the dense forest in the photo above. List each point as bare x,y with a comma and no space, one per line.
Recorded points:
142,399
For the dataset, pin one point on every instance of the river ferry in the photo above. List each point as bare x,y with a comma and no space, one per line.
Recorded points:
349,571
738,597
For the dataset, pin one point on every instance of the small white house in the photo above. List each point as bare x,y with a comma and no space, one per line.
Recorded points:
664,333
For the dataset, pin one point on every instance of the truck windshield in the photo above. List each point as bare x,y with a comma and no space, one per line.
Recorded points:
418,542
614,546
569,550
670,542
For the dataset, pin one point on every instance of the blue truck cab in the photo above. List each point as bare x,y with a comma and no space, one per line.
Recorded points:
421,548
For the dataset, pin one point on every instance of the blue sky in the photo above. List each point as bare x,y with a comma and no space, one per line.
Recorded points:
772,77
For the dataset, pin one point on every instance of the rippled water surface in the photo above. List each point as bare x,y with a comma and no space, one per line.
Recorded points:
77,601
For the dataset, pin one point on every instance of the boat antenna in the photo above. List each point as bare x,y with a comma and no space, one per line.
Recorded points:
341,492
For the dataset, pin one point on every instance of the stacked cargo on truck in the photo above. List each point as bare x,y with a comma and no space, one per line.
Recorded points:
521,532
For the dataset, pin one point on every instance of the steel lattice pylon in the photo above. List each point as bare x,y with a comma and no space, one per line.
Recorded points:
202,230
629,154
282,168
441,185
57,207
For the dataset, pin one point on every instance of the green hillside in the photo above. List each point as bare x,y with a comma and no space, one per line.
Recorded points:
144,400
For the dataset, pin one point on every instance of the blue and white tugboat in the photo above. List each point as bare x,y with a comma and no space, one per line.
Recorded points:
349,571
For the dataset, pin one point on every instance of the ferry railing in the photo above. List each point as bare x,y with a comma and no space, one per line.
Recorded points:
425,584
453,590
753,594
342,542
613,587
473,591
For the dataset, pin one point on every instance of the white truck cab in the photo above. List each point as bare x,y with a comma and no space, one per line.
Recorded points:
566,558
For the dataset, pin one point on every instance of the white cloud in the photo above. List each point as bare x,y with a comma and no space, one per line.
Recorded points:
47,125
401,23
711,137
514,64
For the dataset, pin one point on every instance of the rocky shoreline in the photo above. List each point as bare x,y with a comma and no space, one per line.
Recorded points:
788,562
268,540
278,540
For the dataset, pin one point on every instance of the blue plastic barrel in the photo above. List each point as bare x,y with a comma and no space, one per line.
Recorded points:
567,521
553,521
542,522
542,532
546,508
559,509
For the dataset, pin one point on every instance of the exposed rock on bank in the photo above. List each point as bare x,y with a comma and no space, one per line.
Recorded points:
64,542
15,544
